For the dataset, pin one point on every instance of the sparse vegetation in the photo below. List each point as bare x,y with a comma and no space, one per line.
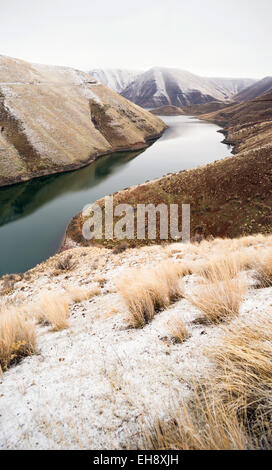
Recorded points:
219,269
147,291
219,301
17,337
65,263
177,329
53,308
243,379
202,424
263,269
78,294
230,409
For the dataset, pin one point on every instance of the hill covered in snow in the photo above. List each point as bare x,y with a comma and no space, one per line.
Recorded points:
162,86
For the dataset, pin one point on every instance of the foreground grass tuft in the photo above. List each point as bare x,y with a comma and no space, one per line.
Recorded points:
263,270
53,308
230,408
148,291
78,294
177,329
17,337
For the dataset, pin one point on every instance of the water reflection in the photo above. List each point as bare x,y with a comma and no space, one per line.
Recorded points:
34,215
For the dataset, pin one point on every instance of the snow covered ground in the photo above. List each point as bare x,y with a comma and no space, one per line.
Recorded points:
92,385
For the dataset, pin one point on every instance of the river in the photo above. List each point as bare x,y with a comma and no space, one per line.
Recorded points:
34,215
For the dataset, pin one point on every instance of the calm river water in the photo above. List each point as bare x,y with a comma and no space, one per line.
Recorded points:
34,215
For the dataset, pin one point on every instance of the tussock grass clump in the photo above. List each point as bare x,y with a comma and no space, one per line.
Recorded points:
53,308
203,424
147,291
65,263
219,268
177,329
231,408
78,294
263,269
243,379
219,301
17,338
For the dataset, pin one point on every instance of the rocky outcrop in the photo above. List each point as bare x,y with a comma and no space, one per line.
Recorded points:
55,119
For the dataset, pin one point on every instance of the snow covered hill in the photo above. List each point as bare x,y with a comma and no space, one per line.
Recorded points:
116,79
161,86
255,90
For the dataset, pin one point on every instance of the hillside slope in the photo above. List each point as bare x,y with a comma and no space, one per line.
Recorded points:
55,119
229,197
246,125
93,381
116,79
255,90
162,86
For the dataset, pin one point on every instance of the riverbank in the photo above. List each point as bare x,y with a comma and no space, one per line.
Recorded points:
40,210
228,198
57,119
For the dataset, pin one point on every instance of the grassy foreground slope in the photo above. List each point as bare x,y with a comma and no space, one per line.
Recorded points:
55,119
162,347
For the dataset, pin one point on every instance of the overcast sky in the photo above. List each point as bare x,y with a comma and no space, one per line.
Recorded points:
207,37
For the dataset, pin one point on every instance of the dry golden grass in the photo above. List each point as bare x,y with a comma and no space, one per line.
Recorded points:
231,408
78,294
219,268
17,337
52,308
146,291
263,269
177,329
243,378
203,424
219,301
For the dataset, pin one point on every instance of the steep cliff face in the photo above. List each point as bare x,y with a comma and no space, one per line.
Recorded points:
55,119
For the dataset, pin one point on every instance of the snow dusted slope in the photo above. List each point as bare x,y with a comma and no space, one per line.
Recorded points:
255,90
55,119
163,86
95,384
116,79
230,86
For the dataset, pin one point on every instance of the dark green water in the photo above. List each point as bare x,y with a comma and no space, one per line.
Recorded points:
34,215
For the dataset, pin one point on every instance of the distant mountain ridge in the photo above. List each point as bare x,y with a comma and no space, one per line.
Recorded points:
162,86
255,90
116,79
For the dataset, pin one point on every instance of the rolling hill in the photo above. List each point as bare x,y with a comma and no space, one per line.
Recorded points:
255,90
55,119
